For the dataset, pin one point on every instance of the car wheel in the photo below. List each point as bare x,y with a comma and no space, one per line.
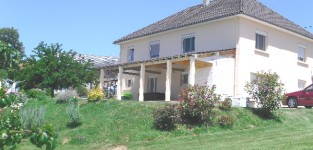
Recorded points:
308,106
292,102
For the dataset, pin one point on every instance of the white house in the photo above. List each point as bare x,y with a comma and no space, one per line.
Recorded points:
220,42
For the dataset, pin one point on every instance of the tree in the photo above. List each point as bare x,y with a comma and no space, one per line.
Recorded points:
11,51
11,37
9,57
53,68
268,90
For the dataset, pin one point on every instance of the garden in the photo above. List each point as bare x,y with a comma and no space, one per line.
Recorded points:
44,103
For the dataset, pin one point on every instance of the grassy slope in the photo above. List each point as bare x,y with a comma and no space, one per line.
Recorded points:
111,123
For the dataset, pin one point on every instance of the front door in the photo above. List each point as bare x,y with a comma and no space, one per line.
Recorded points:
152,85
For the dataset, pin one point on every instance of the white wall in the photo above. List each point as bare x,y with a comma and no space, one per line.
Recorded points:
216,35
280,57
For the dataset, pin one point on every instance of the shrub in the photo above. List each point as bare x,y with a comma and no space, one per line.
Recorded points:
73,113
2,92
36,94
14,100
226,104
226,121
197,104
165,118
267,89
65,95
33,117
127,96
3,74
82,91
95,94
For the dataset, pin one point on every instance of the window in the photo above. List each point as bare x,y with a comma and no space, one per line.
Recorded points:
152,85
154,50
260,41
301,84
189,44
131,55
301,53
185,78
252,77
310,88
129,83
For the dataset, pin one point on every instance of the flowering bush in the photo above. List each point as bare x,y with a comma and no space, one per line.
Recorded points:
268,90
197,104
95,94
65,95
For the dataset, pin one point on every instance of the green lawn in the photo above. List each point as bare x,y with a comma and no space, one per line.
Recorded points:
109,124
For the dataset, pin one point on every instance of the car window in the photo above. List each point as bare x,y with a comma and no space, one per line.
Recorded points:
310,88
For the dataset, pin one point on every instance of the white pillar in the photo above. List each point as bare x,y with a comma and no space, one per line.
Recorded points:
192,71
142,82
101,78
168,80
119,83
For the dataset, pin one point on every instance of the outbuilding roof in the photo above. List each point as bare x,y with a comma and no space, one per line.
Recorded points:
216,10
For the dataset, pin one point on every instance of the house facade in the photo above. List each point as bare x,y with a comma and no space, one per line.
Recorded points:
222,43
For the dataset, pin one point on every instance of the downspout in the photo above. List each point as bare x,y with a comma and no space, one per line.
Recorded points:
236,68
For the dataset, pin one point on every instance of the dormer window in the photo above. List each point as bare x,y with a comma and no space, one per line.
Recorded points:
189,44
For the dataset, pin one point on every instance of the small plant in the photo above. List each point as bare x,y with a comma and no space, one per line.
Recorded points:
73,113
73,100
165,118
226,121
32,117
197,104
226,104
65,95
95,94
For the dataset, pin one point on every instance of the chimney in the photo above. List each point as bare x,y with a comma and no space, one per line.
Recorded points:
206,2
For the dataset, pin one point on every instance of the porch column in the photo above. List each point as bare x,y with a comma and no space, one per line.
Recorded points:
142,82
101,78
168,80
192,70
120,83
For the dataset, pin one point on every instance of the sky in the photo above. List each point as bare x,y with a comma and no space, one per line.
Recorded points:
91,26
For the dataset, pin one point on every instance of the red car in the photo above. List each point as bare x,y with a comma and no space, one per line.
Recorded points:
301,98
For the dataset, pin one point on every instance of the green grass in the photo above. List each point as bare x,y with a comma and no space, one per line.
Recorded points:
113,123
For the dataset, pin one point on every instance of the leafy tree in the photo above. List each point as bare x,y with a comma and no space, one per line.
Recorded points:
11,37
268,90
9,57
11,51
53,68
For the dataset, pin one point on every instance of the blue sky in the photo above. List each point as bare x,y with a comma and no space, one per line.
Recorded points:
90,27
